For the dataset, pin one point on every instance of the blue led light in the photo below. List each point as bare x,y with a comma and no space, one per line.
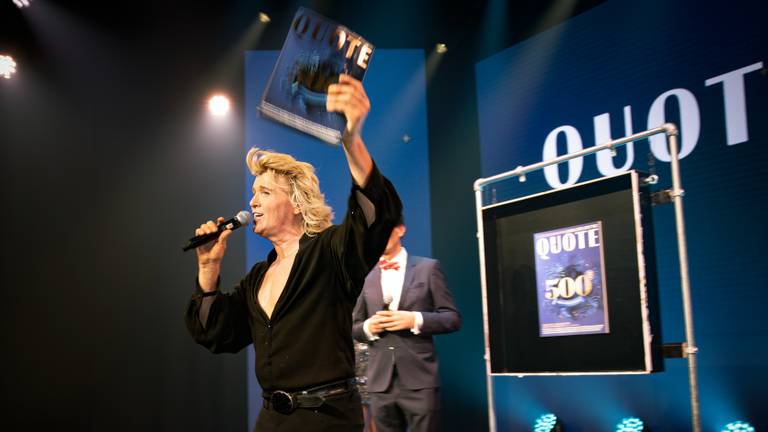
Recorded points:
738,426
545,423
630,424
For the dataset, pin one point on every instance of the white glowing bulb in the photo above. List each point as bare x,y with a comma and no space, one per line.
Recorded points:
218,105
21,3
7,66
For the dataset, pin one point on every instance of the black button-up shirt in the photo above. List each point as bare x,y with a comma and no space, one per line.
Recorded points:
307,341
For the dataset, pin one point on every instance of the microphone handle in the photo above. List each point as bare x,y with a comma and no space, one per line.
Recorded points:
200,240
386,307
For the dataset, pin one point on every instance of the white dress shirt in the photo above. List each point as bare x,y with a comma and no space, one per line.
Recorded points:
392,285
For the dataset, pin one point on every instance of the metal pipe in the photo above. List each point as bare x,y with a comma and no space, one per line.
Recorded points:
685,285
519,171
486,338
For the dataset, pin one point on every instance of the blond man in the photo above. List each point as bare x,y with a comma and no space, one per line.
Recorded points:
296,306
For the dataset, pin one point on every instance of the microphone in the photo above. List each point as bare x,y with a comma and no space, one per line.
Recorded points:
242,218
387,301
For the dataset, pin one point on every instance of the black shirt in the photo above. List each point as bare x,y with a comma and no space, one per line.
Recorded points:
307,341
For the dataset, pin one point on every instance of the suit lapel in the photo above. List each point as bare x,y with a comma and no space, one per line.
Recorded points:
407,281
376,289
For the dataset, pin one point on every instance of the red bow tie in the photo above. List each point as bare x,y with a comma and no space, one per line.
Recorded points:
389,265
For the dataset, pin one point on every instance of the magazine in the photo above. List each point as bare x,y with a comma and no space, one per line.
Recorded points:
570,280
315,52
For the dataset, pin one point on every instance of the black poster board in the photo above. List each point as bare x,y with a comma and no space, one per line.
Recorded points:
633,345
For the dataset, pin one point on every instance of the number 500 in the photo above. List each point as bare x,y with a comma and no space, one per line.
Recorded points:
567,287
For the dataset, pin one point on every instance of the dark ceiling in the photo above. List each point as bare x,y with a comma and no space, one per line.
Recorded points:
217,24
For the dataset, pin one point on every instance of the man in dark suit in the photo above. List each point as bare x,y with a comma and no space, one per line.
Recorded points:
404,302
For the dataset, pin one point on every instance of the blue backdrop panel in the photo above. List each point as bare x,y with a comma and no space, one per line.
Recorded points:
624,67
395,133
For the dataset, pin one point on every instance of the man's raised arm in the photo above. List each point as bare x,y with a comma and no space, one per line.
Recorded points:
349,98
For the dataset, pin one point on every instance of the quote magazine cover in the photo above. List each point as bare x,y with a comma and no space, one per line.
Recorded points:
315,52
570,281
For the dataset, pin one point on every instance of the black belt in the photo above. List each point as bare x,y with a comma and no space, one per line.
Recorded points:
286,403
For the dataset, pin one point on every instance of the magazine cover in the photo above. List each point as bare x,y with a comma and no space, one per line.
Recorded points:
315,52
570,280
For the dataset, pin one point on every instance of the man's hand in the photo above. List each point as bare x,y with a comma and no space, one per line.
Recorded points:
349,98
375,326
209,255
394,320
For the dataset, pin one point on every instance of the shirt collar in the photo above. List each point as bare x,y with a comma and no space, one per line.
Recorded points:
401,257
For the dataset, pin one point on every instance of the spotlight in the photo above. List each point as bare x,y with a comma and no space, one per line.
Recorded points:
22,3
630,424
738,426
548,423
218,105
441,48
7,66
264,18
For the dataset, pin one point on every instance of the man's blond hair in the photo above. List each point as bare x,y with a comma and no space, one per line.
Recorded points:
303,183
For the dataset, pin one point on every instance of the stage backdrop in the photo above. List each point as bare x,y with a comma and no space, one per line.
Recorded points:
624,67
395,133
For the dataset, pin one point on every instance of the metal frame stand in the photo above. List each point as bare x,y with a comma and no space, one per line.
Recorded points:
675,194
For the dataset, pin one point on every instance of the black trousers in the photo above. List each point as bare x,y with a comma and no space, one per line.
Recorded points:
342,413
398,408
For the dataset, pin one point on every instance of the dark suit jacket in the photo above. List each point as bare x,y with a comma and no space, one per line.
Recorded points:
425,291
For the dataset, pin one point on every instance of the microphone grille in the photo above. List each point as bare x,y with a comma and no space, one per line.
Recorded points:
244,218
387,300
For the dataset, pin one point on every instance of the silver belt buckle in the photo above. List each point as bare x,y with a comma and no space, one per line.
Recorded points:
282,402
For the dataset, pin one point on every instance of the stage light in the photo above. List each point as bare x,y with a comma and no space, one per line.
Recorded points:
630,424
7,66
441,48
218,105
547,423
264,18
22,3
738,426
